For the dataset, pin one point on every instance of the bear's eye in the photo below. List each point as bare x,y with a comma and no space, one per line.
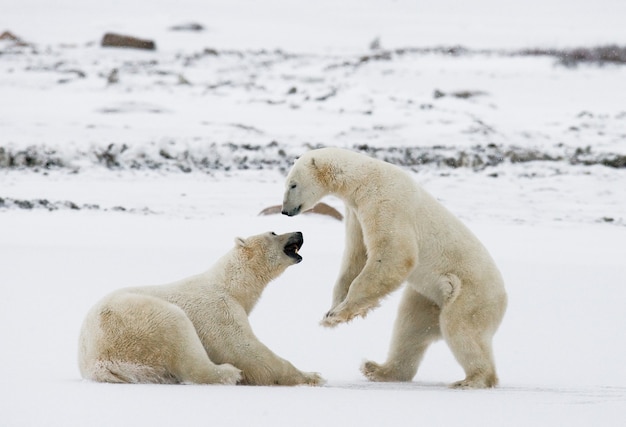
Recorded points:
273,234
293,186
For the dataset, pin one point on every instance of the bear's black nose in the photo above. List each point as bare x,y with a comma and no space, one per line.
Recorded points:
293,212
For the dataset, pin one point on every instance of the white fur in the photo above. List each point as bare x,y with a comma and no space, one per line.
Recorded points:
195,330
397,232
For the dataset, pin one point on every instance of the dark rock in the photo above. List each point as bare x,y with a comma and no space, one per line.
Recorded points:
7,35
438,94
462,94
118,40
327,96
375,44
113,77
189,26
24,204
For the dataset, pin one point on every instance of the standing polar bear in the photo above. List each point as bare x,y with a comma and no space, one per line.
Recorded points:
195,330
397,232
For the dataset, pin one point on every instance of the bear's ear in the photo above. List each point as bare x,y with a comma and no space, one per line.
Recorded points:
325,172
240,241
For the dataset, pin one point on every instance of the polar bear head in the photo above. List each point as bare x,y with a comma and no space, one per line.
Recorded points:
271,252
310,179
257,260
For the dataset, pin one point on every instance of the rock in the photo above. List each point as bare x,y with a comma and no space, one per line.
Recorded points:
375,44
113,77
7,35
11,38
461,94
189,26
182,80
118,40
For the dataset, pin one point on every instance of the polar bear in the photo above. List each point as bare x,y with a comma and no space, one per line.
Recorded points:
196,330
397,232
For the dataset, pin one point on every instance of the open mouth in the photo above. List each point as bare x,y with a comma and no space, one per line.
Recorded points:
293,245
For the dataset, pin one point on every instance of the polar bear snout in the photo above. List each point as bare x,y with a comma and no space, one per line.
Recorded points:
291,212
293,245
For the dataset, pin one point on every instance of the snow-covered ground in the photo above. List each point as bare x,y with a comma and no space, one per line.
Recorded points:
147,178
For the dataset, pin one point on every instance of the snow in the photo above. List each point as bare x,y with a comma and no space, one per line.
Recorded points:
192,165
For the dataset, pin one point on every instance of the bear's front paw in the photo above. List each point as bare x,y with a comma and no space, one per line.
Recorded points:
345,312
330,321
313,378
229,375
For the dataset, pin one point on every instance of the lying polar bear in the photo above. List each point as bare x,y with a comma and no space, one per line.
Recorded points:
195,330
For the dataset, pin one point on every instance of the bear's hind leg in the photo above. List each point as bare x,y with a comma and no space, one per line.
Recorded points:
469,333
136,338
416,327
206,372
475,356
193,365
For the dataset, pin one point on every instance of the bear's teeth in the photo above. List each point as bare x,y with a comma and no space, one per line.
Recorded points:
296,250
